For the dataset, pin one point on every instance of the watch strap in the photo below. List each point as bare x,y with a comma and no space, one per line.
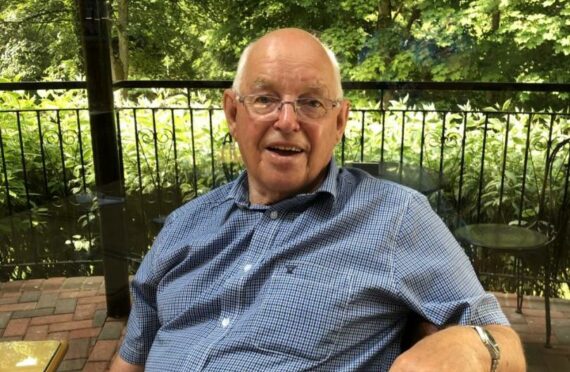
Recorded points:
490,344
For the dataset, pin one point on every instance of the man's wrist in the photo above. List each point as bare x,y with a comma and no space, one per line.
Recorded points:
491,346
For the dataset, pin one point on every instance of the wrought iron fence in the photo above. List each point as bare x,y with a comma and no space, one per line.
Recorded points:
491,158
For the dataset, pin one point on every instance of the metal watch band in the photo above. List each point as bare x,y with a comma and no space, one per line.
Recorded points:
490,344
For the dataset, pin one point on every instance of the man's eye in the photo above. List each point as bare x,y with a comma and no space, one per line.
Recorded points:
264,100
313,103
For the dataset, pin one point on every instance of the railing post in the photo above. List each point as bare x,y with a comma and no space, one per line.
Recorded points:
108,178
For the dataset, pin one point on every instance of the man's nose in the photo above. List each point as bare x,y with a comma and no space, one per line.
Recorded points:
287,119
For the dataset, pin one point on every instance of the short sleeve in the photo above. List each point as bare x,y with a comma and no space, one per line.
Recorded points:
434,275
143,323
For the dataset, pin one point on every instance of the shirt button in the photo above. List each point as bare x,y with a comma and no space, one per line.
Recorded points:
273,215
247,267
225,322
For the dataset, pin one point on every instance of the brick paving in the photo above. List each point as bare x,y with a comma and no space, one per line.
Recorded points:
70,309
74,309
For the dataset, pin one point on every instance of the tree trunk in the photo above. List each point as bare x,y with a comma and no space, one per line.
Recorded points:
496,20
120,44
384,14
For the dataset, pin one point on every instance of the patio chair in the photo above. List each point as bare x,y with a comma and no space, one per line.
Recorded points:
545,236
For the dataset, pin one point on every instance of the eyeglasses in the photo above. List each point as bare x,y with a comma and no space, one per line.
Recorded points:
312,108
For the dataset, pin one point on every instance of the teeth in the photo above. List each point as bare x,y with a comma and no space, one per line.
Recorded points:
287,148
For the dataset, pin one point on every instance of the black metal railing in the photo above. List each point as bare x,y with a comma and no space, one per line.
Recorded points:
175,148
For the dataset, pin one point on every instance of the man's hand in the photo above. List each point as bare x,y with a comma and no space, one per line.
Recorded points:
459,348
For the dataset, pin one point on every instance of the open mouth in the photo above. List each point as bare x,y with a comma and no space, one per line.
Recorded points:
285,150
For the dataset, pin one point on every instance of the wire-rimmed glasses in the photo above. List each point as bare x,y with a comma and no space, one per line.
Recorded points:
311,108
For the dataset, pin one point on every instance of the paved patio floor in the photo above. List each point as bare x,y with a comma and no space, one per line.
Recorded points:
74,309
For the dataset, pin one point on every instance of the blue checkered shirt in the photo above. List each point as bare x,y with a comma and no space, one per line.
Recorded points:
321,281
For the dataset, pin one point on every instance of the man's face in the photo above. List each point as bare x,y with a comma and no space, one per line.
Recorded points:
285,154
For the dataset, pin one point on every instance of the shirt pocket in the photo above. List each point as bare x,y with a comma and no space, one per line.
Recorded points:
302,310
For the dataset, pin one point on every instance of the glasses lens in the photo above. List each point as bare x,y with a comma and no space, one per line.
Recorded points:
307,107
312,107
262,104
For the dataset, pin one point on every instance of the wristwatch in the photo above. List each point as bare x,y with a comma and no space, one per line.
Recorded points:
490,344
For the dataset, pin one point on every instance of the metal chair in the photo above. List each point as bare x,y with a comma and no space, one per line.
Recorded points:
544,235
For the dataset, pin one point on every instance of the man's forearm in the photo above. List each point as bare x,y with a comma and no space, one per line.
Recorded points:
120,365
459,348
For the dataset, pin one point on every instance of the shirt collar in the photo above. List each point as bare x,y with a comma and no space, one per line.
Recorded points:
240,194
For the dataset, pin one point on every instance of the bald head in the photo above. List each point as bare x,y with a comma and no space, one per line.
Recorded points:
294,44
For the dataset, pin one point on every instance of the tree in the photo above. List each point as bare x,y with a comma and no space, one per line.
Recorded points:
420,40
120,48
38,40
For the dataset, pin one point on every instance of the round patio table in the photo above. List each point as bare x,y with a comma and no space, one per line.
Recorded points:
418,178
517,241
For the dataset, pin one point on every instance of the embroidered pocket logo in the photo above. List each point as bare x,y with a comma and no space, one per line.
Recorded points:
290,268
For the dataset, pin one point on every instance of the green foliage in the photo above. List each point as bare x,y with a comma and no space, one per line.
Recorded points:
426,40
172,154
174,146
164,145
169,157
461,137
38,40
31,140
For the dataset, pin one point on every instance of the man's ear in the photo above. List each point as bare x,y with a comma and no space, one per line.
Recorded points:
342,119
230,103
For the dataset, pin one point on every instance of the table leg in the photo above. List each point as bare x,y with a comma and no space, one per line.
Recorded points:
519,283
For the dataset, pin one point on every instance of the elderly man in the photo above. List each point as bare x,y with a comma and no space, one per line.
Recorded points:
299,265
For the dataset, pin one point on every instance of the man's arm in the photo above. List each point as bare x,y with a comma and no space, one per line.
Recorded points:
120,365
459,348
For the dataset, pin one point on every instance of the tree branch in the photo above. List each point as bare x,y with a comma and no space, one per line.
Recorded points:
416,13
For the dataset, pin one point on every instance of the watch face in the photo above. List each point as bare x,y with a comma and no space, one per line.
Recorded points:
492,341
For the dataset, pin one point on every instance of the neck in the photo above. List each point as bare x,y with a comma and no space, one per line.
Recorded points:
262,196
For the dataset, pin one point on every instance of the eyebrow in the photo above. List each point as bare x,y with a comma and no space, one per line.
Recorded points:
318,89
